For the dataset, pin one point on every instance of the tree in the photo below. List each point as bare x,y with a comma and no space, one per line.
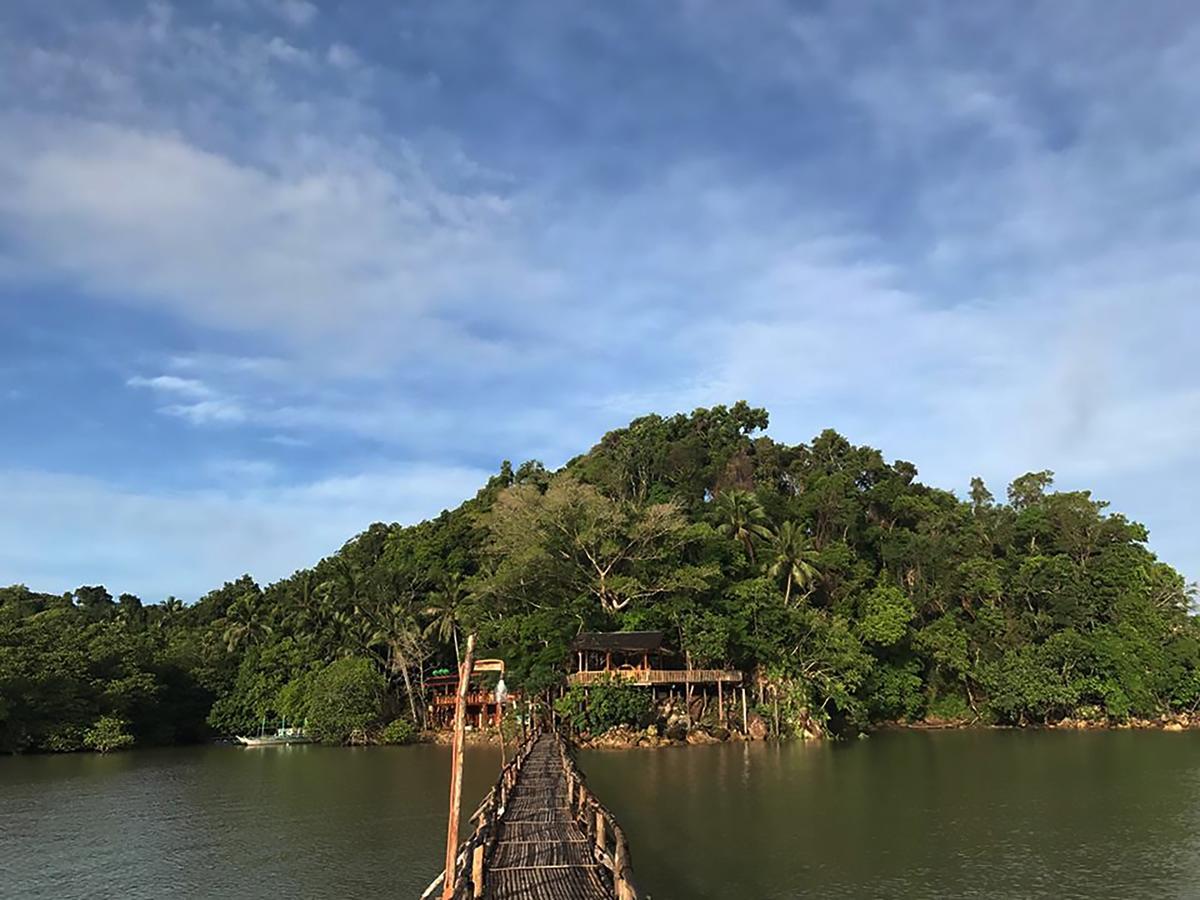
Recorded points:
742,517
981,497
245,622
573,541
793,557
444,610
107,734
1029,488
346,698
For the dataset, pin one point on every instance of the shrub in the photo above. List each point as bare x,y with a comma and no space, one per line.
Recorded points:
65,739
398,731
108,733
346,696
605,704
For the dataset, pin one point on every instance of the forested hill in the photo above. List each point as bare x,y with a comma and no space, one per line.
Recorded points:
861,594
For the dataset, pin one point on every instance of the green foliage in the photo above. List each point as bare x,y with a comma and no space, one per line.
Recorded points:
345,697
885,615
857,592
106,734
604,705
398,731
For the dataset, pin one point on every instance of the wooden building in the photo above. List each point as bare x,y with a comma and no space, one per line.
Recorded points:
637,657
482,708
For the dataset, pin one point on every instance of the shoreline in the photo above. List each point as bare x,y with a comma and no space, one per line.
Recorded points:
626,738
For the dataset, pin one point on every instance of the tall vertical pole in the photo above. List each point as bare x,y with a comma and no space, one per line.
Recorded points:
456,768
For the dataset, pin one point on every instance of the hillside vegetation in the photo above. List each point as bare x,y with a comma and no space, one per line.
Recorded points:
858,594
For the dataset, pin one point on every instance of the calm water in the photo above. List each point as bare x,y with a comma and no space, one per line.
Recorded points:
899,815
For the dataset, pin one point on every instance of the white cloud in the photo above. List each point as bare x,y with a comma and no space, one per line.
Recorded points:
279,49
203,406
208,412
347,251
296,12
342,56
171,384
63,530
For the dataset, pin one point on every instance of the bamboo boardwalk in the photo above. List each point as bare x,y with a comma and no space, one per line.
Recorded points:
540,834
540,851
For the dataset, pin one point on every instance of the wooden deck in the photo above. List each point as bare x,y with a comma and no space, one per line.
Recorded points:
540,834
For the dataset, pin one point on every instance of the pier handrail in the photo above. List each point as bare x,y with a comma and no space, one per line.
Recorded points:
609,845
471,861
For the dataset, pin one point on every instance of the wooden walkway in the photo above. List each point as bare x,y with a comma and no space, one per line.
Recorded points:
540,834
540,851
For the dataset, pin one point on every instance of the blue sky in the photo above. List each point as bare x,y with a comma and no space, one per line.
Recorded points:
271,270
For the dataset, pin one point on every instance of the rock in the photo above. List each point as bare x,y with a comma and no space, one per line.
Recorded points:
1173,726
701,737
676,731
757,728
720,734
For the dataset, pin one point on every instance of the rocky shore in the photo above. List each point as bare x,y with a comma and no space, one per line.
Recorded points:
1171,722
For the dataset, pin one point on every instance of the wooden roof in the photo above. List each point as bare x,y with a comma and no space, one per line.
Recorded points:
626,641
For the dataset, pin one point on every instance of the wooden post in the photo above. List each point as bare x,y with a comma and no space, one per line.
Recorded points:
599,829
720,702
500,731
619,864
745,716
456,767
477,872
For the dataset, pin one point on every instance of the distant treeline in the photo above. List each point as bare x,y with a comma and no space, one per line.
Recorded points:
856,593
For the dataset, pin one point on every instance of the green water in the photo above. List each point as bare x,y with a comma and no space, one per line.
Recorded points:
988,814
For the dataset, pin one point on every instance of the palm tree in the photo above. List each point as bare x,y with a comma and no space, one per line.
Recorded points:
742,518
444,610
393,624
792,555
172,607
243,622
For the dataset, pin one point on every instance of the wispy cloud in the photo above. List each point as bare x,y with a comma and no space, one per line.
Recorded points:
970,236
171,384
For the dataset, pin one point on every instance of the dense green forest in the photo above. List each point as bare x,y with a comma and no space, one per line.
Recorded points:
858,594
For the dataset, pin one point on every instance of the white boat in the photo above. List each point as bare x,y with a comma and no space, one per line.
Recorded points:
281,736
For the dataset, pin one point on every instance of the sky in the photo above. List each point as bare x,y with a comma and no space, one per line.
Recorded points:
271,270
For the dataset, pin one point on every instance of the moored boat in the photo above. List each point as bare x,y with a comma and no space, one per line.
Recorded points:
283,735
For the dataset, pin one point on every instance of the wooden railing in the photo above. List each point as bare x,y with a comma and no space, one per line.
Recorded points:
475,698
473,852
609,845
660,676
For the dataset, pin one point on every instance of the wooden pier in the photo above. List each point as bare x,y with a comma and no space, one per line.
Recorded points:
541,834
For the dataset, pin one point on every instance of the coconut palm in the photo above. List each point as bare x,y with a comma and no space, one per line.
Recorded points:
443,609
792,555
244,623
742,518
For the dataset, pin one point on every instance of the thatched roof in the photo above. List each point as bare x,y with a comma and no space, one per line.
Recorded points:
623,641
